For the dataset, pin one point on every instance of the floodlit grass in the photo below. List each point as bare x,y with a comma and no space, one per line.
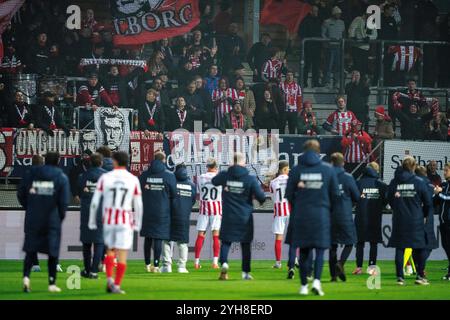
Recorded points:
204,284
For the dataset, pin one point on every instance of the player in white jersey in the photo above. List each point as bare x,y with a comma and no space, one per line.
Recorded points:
281,208
210,212
120,193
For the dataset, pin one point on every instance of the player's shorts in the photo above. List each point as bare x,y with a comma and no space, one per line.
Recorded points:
204,221
279,224
118,237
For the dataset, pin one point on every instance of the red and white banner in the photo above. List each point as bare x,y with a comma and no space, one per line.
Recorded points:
138,22
143,148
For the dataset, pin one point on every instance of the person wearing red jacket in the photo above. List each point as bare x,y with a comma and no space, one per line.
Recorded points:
91,95
357,146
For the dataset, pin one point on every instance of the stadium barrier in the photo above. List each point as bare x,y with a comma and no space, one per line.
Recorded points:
11,239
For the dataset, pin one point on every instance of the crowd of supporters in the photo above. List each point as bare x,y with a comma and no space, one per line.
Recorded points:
200,76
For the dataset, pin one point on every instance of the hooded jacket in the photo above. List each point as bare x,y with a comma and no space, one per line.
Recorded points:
311,204
411,203
44,194
443,200
239,189
369,208
181,213
159,189
432,242
343,229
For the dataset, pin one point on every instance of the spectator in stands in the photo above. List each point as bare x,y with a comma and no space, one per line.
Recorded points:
258,54
212,79
274,67
89,20
38,55
437,128
206,24
357,146
266,114
223,19
292,103
307,121
193,97
311,27
19,113
206,101
360,51
56,63
161,95
222,99
93,94
165,48
339,121
107,157
388,28
11,62
185,73
180,116
116,87
426,16
383,125
97,52
358,92
395,10
84,42
402,100
235,119
151,113
432,174
334,30
247,99
232,49
156,65
412,123
48,116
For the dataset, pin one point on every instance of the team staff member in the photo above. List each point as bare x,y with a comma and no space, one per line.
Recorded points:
44,194
411,204
369,211
443,199
343,229
159,188
87,183
239,188
312,190
180,221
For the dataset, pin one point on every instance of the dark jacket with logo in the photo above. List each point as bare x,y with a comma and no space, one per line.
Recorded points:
159,189
312,205
44,194
443,200
369,209
239,189
181,213
432,242
86,187
410,201
343,229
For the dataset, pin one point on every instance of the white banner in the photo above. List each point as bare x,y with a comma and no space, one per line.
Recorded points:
422,151
113,128
11,239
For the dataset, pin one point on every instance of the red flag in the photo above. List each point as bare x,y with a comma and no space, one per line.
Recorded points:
289,13
7,10
139,22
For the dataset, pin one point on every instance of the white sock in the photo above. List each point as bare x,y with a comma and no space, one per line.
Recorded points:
215,260
278,263
197,261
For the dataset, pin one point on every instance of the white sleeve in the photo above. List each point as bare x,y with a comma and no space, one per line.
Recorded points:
138,207
95,202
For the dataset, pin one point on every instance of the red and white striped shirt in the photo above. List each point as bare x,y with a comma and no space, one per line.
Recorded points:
340,121
223,107
405,57
272,69
357,150
120,193
281,206
292,96
210,195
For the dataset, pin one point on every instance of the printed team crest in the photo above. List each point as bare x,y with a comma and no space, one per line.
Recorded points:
133,6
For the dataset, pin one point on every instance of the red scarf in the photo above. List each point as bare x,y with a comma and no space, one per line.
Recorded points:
151,112
237,123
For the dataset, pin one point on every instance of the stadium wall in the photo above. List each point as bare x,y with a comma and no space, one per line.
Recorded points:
11,239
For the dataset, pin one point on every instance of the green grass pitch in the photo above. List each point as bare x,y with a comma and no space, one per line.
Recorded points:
204,284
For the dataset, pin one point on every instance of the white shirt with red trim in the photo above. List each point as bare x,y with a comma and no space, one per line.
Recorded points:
405,57
341,121
281,206
121,196
224,106
292,96
272,69
210,195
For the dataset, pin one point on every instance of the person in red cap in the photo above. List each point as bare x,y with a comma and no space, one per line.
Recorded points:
307,121
383,126
357,146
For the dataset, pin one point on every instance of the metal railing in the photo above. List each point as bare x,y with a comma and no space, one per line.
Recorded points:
380,55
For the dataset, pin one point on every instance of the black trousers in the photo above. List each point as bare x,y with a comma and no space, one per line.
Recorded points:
333,259
360,60
157,249
313,51
91,262
246,254
291,119
306,264
29,261
420,257
373,252
444,228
